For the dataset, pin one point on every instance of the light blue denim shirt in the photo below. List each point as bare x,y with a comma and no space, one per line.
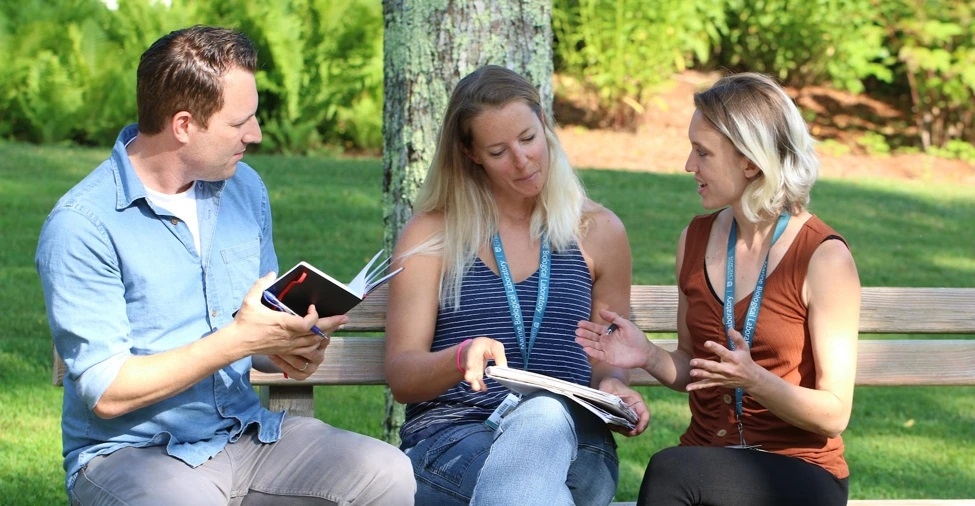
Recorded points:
122,277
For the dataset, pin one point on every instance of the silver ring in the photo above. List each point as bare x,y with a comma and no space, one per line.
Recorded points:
304,366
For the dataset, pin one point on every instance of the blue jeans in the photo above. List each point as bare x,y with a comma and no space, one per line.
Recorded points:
548,451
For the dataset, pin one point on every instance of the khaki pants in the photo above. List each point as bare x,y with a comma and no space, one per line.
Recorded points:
312,464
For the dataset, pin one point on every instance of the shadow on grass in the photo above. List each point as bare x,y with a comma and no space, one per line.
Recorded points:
30,439
905,234
30,489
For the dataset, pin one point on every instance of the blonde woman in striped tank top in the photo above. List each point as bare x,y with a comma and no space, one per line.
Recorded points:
503,257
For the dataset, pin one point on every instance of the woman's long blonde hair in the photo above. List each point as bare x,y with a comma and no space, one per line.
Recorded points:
458,188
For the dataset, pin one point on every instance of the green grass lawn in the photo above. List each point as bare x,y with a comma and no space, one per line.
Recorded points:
901,443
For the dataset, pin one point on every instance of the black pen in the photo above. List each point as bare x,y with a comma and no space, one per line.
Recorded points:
612,328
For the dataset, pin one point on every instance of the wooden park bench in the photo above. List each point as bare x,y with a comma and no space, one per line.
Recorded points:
358,360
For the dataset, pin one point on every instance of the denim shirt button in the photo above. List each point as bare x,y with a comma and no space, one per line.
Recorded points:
174,221
213,312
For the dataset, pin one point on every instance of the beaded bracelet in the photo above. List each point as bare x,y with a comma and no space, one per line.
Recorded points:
460,349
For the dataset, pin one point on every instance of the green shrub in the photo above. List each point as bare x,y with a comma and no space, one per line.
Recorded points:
321,71
70,71
620,49
833,147
957,150
838,42
933,42
873,143
46,73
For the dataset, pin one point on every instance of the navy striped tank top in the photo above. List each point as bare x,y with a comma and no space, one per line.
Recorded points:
484,312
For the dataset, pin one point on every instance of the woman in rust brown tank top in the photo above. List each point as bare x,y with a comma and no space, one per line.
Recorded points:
767,317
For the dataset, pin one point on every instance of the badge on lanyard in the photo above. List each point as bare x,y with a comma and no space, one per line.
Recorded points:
509,403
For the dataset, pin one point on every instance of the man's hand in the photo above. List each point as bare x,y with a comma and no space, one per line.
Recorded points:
265,331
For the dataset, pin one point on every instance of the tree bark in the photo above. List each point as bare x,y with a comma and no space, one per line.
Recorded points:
428,46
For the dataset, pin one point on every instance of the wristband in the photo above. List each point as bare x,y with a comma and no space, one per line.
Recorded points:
460,349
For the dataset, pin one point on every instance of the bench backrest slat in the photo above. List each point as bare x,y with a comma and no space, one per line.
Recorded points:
883,310
357,360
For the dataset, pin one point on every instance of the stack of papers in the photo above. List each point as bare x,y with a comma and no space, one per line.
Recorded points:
608,407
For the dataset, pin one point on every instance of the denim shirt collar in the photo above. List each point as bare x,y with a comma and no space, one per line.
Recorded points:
129,188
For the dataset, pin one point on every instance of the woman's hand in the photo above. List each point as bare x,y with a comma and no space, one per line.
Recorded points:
626,347
634,400
473,357
735,368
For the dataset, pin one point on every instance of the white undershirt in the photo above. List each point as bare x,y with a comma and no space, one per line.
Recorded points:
183,206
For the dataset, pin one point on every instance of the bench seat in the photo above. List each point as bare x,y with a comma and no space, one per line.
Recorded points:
901,356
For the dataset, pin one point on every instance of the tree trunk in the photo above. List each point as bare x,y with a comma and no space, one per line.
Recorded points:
428,46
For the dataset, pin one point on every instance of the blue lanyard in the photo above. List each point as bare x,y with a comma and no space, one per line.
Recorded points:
751,317
545,263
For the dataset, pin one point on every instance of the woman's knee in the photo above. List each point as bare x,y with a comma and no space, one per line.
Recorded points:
667,458
546,413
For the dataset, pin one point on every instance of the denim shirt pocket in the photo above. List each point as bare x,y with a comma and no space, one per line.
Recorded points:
242,263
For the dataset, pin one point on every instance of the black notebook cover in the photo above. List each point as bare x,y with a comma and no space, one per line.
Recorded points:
304,285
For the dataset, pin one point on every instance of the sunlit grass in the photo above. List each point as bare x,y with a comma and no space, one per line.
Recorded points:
901,442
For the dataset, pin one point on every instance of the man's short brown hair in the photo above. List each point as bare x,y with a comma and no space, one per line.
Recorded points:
183,71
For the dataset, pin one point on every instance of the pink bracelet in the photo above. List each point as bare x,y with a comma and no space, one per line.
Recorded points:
460,350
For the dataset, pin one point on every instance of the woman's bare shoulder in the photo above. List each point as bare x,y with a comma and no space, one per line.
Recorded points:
420,228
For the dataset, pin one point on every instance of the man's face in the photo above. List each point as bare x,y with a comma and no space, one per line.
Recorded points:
216,149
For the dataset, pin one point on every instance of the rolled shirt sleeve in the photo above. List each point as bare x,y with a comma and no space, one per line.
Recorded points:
85,300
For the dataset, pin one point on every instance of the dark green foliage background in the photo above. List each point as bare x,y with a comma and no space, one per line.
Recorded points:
69,70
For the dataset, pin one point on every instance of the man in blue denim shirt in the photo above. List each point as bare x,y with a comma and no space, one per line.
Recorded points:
143,265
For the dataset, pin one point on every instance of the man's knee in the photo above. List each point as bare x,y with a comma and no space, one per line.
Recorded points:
398,471
392,480
353,464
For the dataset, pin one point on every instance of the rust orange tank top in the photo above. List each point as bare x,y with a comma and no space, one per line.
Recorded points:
781,345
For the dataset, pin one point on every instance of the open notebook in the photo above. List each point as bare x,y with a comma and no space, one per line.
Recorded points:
304,284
